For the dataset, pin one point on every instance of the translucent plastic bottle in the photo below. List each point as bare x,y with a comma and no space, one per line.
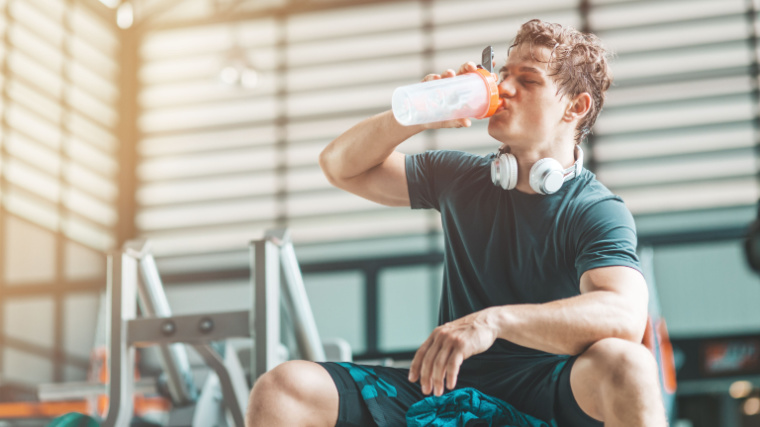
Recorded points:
471,95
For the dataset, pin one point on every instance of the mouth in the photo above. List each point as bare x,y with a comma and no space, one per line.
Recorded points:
502,107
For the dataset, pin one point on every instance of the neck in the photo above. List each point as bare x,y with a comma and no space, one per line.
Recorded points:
528,156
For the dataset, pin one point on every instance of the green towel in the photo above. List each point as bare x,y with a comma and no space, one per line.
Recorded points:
468,407
74,419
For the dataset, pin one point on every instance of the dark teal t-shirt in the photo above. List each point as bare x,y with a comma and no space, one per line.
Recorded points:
508,247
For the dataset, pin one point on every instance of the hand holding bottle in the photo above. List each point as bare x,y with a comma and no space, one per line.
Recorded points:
468,67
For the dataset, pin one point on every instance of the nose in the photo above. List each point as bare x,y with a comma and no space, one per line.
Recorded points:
507,88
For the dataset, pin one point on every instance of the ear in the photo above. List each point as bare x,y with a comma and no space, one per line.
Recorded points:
578,107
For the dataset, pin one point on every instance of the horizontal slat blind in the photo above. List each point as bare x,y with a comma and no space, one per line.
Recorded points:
220,164
59,143
677,133
58,191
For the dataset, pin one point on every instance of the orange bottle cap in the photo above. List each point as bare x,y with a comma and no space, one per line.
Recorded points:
493,92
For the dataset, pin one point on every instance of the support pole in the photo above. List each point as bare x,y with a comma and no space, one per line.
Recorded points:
265,264
121,300
231,379
153,302
295,295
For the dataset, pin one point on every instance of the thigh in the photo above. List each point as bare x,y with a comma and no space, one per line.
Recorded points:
567,406
382,394
612,371
537,385
352,411
527,382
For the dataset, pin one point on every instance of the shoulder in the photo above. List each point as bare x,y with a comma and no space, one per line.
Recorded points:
452,158
593,203
444,165
434,174
602,232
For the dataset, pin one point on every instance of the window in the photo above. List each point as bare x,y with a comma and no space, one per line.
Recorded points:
58,180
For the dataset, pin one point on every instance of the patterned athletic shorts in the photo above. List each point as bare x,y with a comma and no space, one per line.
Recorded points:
538,385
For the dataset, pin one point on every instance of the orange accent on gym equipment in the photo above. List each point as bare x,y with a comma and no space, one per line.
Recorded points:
41,409
666,351
659,332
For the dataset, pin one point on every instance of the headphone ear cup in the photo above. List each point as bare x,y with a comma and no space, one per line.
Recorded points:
504,171
546,176
510,171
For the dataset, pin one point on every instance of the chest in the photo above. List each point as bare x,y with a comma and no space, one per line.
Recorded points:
503,241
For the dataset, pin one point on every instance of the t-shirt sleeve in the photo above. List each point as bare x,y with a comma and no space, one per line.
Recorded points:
431,173
606,236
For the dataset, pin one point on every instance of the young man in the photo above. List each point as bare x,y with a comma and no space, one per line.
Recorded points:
543,304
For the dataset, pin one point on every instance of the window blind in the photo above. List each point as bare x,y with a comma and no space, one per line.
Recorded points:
58,182
219,164
59,109
678,131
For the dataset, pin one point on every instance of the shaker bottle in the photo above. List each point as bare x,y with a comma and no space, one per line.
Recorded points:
473,94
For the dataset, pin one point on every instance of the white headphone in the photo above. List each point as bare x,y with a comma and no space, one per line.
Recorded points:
546,175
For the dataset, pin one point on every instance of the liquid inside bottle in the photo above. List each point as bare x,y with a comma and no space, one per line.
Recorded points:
457,97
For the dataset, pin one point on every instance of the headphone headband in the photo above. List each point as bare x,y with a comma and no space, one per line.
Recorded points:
577,167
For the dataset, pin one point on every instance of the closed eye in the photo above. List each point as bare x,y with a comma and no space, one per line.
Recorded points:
523,80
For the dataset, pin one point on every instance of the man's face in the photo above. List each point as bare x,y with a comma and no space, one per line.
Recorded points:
531,111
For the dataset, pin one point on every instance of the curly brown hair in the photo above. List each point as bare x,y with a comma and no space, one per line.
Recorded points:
578,63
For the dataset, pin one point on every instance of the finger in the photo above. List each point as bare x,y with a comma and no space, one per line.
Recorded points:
461,123
467,67
452,368
426,370
414,368
449,73
439,368
431,77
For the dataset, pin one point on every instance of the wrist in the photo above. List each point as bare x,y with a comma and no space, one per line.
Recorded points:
501,319
412,130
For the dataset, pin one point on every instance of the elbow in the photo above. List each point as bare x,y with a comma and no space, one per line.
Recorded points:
633,327
632,318
630,326
638,328
625,331
631,334
637,319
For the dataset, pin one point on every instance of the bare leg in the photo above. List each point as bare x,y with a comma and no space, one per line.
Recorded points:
296,393
616,381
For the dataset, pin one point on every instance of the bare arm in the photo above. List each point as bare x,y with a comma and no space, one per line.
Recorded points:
612,303
363,160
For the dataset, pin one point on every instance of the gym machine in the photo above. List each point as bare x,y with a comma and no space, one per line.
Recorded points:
277,283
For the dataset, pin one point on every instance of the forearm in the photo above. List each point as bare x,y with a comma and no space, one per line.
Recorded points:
364,146
571,325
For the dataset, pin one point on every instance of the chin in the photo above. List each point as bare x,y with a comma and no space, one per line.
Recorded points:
498,132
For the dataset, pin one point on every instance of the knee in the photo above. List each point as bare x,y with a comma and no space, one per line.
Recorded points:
271,390
277,381
622,363
283,395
